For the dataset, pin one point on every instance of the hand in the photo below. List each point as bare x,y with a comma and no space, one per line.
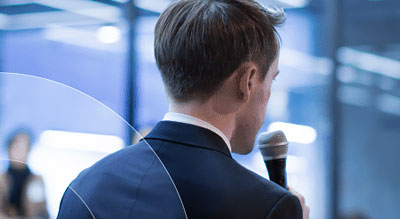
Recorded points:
306,209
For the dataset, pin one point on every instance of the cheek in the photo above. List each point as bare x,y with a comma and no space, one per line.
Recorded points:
260,105
263,98
267,95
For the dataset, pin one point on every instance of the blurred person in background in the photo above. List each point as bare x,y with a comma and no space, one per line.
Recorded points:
21,191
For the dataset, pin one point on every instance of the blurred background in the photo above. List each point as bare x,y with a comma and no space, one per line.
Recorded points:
87,72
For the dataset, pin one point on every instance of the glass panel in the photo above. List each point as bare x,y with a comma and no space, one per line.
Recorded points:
369,130
80,43
150,85
369,100
69,132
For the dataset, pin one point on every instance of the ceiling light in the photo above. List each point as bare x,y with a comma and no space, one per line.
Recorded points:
108,34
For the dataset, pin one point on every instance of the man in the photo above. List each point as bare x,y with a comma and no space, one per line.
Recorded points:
217,59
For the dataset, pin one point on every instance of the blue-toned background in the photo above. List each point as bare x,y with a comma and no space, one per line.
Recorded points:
337,97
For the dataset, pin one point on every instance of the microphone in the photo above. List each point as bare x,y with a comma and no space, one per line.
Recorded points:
273,147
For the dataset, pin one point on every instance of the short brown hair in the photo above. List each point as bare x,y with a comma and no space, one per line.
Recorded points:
200,43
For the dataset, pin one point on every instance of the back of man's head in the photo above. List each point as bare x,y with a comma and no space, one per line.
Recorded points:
200,43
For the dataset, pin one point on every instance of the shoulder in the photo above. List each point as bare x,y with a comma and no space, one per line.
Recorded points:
127,159
126,166
265,196
4,177
128,182
36,178
288,206
3,184
263,186
278,202
211,182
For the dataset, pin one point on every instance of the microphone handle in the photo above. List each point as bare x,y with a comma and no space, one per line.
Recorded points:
277,171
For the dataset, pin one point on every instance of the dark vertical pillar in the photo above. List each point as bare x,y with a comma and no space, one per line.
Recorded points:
1,50
131,86
335,29
1,70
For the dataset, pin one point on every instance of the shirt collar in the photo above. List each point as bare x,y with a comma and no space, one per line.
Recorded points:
183,118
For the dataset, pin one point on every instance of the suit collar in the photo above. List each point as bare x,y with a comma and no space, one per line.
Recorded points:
190,135
184,118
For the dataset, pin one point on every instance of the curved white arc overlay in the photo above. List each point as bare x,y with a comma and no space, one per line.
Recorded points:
110,138
83,201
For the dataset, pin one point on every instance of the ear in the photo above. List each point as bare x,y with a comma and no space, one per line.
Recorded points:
245,80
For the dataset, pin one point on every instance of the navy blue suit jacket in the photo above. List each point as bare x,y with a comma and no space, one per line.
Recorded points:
132,183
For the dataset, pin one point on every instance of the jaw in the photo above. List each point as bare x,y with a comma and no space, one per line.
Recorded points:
241,151
240,145
243,136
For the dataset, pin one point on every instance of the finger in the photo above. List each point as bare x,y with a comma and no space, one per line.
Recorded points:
306,212
302,199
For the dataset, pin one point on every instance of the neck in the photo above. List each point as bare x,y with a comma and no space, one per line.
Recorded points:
209,112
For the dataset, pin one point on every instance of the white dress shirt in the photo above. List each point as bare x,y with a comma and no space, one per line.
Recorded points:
183,118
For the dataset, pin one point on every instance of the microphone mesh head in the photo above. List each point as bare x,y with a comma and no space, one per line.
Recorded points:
272,145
